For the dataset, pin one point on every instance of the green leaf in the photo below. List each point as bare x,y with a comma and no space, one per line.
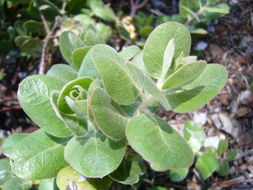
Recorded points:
206,164
63,72
97,157
146,83
69,41
11,142
87,68
221,8
38,156
108,119
104,30
71,89
184,75
128,172
190,12
15,183
74,123
231,156
223,168
116,80
101,11
148,130
201,90
34,98
78,56
145,31
68,177
138,61
34,26
223,146
48,184
92,37
178,175
5,170
199,31
129,52
167,58
194,134
2,75
157,168
157,42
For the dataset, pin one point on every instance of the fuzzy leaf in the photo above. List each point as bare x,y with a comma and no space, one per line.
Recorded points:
97,157
15,183
48,184
63,72
10,143
223,146
147,131
184,75
129,52
108,119
69,41
5,170
116,80
34,98
38,156
78,56
201,90
157,42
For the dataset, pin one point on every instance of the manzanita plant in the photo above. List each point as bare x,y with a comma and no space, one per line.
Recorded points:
96,114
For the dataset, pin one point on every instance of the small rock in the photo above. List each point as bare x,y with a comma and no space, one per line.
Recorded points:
229,125
246,97
200,117
201,45
213,141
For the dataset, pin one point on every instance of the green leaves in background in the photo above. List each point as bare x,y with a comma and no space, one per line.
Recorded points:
15,183
34,97
48,184
69,41
97,157
146,131
5,170
194,134
206,164
107,118
198,92
129,171
157,42
101,11
38,156
116,80
178,175
223,146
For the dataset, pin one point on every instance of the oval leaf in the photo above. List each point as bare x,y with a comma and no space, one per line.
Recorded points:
201,90
184,75
116,80
147,130
63,72
108,119
34,98
68,42
38,156
78,56
156,44
97,155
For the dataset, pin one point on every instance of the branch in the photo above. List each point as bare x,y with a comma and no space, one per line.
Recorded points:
135,5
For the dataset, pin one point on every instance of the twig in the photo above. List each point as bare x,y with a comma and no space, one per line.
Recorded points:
10,108
136,5
45,57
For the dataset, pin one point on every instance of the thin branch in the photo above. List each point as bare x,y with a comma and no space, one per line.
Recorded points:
135,5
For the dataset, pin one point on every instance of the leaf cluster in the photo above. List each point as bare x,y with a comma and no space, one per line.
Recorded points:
96,114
